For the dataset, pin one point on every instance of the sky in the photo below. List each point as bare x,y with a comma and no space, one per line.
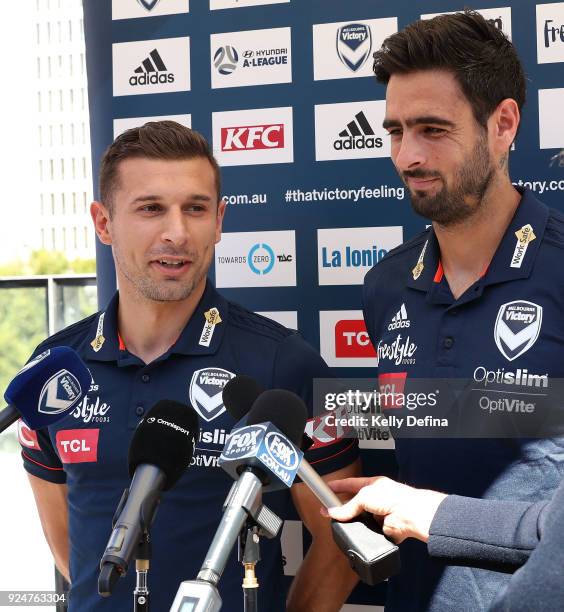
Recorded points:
18,171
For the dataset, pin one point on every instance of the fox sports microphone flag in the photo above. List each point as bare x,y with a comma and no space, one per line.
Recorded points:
46,389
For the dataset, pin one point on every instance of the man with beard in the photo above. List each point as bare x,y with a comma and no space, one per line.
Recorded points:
477,297
167,333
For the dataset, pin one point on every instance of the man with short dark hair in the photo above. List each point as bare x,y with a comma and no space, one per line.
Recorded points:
472,293
168,334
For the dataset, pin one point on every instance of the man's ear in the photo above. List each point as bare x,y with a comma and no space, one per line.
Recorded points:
221,206
506,122
101,216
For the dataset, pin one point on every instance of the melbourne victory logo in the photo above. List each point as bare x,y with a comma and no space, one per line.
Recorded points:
517,327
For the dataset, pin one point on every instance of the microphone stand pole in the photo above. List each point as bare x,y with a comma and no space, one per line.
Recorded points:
142,565
249,555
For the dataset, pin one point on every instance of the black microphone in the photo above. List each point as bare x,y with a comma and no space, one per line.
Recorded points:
240,393
46,389
160,451
371,555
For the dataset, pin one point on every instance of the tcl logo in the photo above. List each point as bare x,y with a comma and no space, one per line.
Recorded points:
351,340
391,387
78,445
27,437
252,137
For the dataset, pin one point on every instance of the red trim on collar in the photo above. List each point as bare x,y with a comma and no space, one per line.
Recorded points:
440,273
121,343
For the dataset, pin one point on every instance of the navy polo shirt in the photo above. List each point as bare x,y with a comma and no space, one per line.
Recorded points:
88,449
509,323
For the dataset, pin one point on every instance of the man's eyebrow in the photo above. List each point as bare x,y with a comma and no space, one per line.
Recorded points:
197,197
422,120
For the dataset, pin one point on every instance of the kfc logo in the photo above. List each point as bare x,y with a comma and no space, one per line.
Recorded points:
351,340
78,445
255,136
252,138
344,341
27,437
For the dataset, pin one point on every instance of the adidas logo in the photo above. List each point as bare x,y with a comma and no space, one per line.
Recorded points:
357,135
400,319
151,71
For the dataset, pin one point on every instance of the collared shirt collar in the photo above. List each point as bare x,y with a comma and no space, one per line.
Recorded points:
514,258
201,336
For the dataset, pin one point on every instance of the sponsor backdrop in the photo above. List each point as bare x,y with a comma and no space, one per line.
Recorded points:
283,90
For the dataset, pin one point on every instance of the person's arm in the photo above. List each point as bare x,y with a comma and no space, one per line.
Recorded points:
466,530
325,578
51,501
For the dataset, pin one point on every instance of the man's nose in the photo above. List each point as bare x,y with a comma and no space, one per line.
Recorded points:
175,229
408,153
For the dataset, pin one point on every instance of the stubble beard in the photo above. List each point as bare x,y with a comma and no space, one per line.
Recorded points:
164,291
451,206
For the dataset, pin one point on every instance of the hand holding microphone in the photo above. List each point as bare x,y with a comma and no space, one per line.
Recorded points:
371,555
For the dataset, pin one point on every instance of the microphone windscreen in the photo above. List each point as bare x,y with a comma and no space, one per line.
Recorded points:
239,394
165,438
49,386
284,409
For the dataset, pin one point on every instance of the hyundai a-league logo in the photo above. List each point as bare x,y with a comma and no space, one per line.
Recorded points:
225,59
517,327
206,391
354,43
148,4
60,393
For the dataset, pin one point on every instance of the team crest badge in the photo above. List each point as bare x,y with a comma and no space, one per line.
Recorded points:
148,4
517,327
354,43
206,391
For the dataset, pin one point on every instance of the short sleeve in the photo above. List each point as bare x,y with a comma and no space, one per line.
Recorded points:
296,366
39,457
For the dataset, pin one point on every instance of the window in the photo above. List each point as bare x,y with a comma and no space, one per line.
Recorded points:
85,202
61,100
62,133
52,169
50,132
52,203
72,133
63,203
73,168
86,237
42,206
39,101
38,67
74,206
53,241
84,173
37,32
75,237
70,63
43,238
63,172
72,98
40,133
40,169
48,28
64,238
70,29
50,103
49,71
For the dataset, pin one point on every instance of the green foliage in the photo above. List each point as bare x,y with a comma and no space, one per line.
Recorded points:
47,262
23,314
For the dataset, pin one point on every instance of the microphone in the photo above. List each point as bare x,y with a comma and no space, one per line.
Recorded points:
46,389
160,450
240,393
371,555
